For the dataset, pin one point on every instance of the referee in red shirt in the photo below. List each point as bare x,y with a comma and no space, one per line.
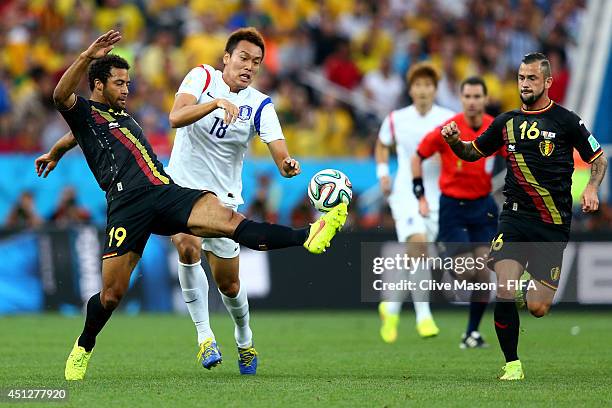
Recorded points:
468,214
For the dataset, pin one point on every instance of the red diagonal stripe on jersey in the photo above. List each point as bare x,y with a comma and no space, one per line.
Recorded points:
392,126
137,155
98,118
529,189
207,79
130,146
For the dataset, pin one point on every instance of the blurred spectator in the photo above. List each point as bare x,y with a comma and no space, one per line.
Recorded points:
161,61
357,20
68,212
325,38
296,53
340,68
5,107
520,38
560,74
448,87
383,88
261,208
55,128
371,46
333,127
119,15
249,15
35,102
79,34
205,41
286,15
23,214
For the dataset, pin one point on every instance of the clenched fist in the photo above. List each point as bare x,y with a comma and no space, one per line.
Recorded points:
450,133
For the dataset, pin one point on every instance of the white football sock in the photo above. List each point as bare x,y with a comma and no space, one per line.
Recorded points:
393,307
420,297
194,285
238,308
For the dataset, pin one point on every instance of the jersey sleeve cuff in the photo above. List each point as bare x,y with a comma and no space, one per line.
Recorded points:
273,139
595,156
421,155
76,99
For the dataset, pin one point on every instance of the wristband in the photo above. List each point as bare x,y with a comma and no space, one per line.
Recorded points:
382,170
417,187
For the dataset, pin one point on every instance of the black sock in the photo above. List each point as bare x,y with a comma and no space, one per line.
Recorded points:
507,325
96,318
262,236
477,309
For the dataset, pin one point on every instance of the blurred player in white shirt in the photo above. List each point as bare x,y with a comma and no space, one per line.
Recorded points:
405,128
217,114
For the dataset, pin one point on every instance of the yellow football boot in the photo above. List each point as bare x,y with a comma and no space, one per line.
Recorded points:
390,321
325,228
427,328
512,371
76,365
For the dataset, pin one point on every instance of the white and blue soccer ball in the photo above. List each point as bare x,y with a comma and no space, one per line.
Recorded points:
328,188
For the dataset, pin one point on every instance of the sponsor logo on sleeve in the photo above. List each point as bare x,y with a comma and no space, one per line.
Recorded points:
594,143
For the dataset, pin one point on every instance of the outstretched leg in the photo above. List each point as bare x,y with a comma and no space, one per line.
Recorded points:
210,218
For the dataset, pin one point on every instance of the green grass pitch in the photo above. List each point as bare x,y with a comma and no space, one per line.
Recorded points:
314,359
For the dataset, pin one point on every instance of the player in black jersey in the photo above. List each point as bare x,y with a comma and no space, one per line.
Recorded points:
540,138
142,199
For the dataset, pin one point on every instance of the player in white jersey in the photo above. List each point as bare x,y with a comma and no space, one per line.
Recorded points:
217,114
405,128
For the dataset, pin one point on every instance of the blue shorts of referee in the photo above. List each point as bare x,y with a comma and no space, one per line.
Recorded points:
466,222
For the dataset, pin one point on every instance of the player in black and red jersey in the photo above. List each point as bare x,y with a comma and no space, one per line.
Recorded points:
539,139
142,199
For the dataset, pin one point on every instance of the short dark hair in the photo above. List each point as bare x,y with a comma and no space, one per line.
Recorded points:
542,59
249,34
423,69
474,80
101,68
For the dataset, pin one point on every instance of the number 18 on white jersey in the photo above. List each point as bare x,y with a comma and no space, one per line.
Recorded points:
208,154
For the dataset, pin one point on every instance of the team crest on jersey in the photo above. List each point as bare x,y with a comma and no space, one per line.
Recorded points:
555,273
244,112
546,147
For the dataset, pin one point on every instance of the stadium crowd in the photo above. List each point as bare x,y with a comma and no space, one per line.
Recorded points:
363,46
321,57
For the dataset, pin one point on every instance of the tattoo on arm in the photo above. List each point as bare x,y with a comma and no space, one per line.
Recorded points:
598,170
465,151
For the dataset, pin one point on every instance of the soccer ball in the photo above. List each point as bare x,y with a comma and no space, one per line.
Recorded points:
328,188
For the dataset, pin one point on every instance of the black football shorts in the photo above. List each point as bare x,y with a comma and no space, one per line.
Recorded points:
133,216
536,245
